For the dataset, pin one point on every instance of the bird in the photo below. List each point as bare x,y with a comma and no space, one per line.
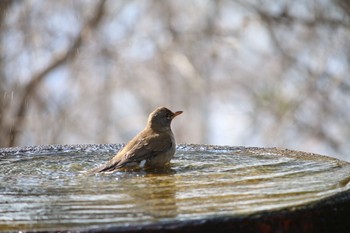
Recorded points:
153,147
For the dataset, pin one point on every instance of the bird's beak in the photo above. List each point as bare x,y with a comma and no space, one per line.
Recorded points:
176,114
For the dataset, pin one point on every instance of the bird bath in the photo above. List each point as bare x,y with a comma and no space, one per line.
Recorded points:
46,188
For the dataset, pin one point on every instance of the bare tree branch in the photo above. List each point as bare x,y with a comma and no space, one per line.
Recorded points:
4,6
58,60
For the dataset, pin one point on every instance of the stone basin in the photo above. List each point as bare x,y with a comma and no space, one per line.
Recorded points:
206,189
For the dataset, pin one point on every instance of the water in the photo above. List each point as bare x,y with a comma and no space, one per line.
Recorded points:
48,188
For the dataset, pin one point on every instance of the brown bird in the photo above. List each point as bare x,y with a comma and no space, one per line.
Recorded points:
153,147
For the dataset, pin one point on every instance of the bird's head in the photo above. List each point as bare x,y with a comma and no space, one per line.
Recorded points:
161,118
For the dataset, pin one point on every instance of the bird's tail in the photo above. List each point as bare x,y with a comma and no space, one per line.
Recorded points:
108,167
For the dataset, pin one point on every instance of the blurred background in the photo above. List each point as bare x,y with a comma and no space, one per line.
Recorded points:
245,73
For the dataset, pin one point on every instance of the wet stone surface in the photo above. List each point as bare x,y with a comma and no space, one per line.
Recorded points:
47,188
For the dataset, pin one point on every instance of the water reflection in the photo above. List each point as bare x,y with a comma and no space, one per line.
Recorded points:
155,194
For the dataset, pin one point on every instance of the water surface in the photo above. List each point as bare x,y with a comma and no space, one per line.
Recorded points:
43,189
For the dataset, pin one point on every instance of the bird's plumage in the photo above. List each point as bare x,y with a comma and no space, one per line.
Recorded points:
152,147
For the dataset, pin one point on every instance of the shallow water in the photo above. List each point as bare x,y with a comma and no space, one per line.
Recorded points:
49,189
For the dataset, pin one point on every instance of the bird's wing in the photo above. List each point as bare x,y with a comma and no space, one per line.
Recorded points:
147,148
138,149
